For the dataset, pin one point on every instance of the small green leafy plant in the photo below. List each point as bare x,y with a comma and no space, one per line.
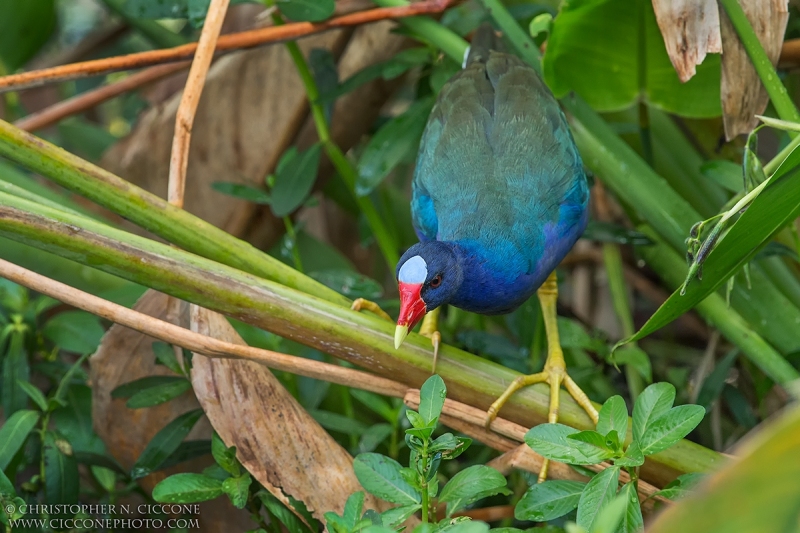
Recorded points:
657,425
416,488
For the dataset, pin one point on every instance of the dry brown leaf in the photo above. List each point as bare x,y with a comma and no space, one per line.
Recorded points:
125,355
691,30
743,95
278,442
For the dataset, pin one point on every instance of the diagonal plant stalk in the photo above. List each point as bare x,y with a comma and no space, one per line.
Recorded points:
149,211
360,338
386,241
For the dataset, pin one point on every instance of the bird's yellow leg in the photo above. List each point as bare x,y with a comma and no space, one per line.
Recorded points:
372,307
430,328
555,369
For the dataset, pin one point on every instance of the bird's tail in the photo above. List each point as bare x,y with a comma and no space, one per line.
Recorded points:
483,41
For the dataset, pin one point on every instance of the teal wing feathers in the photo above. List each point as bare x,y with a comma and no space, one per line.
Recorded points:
497,165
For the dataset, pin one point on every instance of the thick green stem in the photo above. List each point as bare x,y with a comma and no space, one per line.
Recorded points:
149,211
343,166
769,77
360,338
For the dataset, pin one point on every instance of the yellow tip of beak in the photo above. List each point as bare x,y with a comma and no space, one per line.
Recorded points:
400,335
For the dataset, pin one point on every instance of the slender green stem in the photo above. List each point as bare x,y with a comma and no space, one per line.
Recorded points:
344,167
423,482
619,298
769,77
292,235
152,30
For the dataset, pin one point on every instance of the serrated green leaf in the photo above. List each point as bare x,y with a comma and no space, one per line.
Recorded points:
165,442
653,402
600,490
13,433
381,477
187,488
431,398
551,441
549,500
670,427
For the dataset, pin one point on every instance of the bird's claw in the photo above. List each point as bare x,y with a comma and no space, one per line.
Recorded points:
368,305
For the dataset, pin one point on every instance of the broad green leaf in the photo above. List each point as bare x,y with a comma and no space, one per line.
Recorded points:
632,521
375,403
349,283
756,492
380,476
6,487
294,179
395,516
593,438
188,449
224,456
550,440
395,141
589,52
127,390
13,433
187,488
352,509
726,174
74,331
165,355
61,472
25,25
16,370
633,456
653,402
715,382
159,394
13,296
613,416
286,516
681,486
243,192
306,10
774,208
549,500
431,398
471,484
237,489
463,526
444,442
671,427
336,422
600,490
164,443
634,357
34,393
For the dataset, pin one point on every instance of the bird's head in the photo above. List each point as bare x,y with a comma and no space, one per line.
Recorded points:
428,275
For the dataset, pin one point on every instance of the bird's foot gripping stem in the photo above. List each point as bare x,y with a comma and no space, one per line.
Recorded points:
367,305
555,369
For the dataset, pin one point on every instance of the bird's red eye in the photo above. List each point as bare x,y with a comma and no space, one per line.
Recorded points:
435,282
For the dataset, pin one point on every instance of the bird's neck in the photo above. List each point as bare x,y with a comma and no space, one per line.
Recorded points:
492,282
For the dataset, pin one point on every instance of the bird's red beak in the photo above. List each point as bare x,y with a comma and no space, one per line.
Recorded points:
412,309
